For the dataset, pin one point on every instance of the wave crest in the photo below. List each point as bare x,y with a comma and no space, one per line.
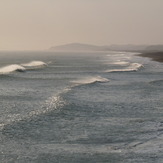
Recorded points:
22,67
34,64
90,80
11,68
131,67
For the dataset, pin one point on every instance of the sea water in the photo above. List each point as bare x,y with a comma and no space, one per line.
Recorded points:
80,107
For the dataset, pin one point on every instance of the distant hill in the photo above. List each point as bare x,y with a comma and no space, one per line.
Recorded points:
76,47
88,47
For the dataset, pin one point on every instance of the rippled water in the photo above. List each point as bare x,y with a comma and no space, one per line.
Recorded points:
80,107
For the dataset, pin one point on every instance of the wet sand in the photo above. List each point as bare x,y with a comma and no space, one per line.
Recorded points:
155,56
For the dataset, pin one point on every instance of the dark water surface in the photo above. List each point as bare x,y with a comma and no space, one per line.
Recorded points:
80,107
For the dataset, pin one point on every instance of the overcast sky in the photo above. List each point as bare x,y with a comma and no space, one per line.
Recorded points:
40,24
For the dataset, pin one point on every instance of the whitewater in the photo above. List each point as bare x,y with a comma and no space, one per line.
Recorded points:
80,107
22,67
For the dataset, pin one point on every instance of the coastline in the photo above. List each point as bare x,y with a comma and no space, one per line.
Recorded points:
155,56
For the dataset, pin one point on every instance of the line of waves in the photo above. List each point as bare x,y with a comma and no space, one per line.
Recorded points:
22,67
54,102
57,101
130,68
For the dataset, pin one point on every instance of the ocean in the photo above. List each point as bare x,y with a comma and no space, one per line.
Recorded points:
94,107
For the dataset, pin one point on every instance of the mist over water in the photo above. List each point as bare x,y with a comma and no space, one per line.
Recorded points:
80,107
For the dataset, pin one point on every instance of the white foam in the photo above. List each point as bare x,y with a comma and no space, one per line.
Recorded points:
116,55
11,68
89,80
131,67
120,63
34,64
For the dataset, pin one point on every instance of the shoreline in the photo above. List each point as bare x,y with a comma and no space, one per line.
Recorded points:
155,56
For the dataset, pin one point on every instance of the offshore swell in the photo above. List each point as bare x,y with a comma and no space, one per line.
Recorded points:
75,110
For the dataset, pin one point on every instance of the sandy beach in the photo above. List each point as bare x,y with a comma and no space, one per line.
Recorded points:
155,56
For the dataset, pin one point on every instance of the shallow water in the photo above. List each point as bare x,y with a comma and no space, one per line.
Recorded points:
80,107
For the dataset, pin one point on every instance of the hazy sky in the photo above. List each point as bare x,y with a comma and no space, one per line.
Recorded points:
40,24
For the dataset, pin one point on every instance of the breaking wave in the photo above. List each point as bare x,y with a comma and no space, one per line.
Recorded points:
11,68
90,80
131,67
34,64
22,67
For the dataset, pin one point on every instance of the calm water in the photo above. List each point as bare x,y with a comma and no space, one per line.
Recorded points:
80,107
